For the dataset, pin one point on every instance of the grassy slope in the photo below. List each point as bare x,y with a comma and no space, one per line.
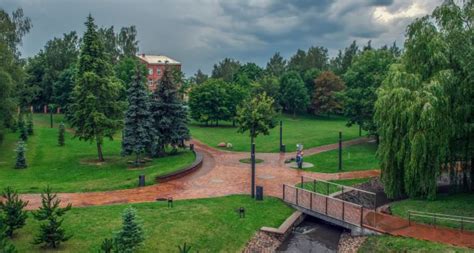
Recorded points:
323,188
309,130
458,204
384,244
72,168
357,157
208,225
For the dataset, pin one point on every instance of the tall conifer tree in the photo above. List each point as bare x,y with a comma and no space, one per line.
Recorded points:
169,116
96,110
137,134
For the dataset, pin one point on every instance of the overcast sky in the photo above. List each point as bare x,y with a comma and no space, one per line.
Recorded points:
199,33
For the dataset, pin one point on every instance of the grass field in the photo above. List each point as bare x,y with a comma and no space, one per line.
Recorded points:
385,243
73,168
356,157
461,204
208,225
327,189
310,131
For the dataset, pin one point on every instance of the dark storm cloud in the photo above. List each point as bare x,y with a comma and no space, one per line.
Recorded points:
201,32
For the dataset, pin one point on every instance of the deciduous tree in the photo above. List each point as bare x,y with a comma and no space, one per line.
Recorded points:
276,66
325,98
294,95
257,116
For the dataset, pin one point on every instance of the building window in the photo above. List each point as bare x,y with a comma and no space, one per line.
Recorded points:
150,82
158,71
150,71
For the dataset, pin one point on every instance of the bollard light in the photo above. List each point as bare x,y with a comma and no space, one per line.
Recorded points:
241,212
170,202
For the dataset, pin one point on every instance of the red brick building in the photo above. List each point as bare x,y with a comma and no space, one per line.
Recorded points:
156,66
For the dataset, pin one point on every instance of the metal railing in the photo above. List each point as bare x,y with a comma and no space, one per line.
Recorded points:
330,206
438,218
332,188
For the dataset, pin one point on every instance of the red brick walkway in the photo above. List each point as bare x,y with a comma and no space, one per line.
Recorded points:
221,174
399,227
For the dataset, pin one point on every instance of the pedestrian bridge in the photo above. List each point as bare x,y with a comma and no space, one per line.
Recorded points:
309,198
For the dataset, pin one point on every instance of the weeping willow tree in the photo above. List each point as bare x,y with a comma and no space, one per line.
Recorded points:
424,110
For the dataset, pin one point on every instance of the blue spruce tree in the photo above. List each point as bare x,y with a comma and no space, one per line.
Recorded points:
138,132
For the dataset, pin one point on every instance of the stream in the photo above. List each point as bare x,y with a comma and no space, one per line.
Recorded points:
312,235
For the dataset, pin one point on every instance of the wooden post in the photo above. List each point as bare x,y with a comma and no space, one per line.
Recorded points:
314,185
311,201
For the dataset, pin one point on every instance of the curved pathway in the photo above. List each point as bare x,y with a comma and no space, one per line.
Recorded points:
221,174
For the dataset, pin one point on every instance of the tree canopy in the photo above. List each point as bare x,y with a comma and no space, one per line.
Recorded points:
97,112
424,108
325,98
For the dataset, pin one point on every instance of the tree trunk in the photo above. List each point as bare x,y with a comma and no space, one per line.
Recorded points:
99,151
137,160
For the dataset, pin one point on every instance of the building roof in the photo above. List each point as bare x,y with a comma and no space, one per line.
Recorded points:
158,59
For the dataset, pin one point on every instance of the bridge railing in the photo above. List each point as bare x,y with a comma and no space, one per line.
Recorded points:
351,194
330,206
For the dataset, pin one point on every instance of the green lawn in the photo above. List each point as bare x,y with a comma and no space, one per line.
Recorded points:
458,204
208,225
385,243
310,131
325,188
73,168
356,157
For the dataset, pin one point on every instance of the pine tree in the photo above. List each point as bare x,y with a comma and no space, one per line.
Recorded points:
5,245
170,117
23,129
137,133
107,245
96,110
62,130
29,124
51,233
14,215
130,237
20,155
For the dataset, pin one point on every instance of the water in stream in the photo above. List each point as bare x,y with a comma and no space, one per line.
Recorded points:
313,236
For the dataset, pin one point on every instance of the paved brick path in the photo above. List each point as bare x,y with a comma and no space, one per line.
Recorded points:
221,174
397,226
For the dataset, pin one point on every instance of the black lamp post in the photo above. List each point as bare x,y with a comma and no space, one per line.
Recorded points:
340,151
252,158
281,136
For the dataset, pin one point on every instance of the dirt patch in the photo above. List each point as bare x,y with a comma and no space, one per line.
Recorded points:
262,242
350,244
